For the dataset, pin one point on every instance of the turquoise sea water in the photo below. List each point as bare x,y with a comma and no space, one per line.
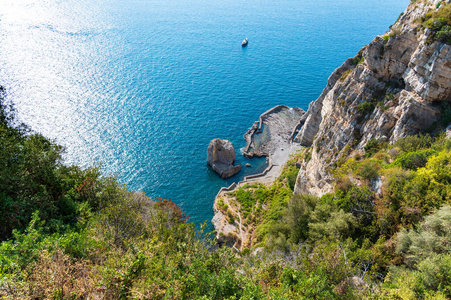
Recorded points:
142,86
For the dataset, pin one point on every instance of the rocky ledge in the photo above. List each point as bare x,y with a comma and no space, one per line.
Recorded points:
271,136
272,132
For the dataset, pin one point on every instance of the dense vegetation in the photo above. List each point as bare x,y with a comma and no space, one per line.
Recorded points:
373,222
439,23
68,233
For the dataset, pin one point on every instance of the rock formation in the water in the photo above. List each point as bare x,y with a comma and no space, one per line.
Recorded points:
398,85
221,157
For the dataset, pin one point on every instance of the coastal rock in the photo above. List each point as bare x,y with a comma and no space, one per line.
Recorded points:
271,136
221,156
394,87
226,231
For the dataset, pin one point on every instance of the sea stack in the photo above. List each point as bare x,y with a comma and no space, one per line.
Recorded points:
221,156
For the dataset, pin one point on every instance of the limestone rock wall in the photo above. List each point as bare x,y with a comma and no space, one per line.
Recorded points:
396,90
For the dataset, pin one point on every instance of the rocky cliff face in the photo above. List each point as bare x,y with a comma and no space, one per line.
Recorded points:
396,86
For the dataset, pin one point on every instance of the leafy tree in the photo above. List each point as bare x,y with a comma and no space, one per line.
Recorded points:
328,221
297,216
433,236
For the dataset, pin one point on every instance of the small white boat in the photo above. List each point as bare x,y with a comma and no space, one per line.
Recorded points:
244,43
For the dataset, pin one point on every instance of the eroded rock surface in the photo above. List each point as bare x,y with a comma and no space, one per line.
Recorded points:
394,87
398,85
221,157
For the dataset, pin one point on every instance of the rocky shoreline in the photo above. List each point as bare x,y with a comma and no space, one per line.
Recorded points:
396,86
271,136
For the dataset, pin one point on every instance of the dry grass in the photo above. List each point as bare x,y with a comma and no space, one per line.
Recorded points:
57,276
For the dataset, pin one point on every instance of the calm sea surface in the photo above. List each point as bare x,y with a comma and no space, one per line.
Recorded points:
142,86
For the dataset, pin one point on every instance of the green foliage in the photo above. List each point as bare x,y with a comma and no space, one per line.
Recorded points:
439,22
427,249
358,59
296,219
327,221
435,23
307,219
436,272
414,160
372,147
444,34
246,198
432,237
32,177
290,173
345,75
92,238
359,201
414,142
369,169
366,107
445,108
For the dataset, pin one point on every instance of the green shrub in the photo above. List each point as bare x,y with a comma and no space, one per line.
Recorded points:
366,107
345,75
245,198
297,216
435,24
372,147
439,22
290,173
231,217
369,169
433,236
358,59
414,142
436,272
444,34
327,221
428,249
445,109
414,160
360,202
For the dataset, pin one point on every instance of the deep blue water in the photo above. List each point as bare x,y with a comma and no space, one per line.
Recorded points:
142,86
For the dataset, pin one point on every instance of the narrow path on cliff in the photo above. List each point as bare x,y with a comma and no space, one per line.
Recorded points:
241,228
236,212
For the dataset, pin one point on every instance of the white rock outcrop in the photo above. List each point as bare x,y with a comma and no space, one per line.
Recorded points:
394,87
